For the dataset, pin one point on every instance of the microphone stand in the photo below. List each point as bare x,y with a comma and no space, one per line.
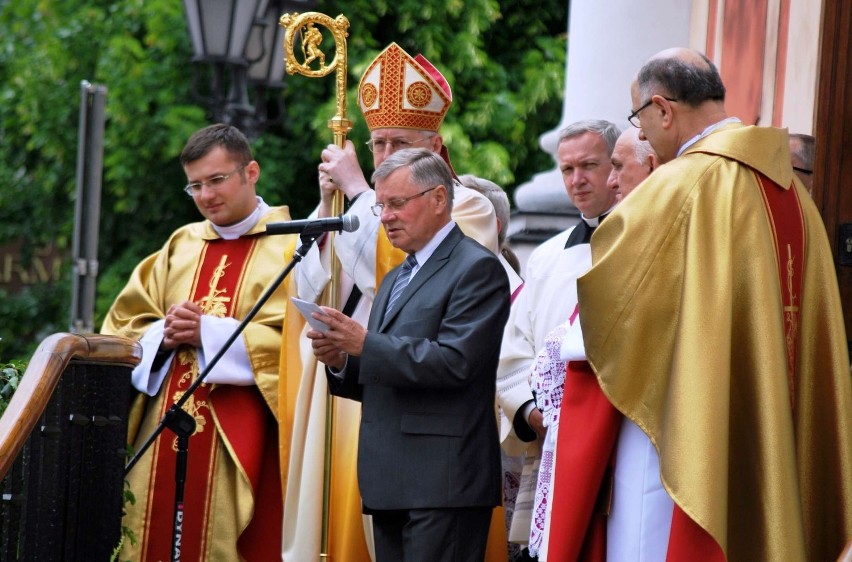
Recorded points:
182,423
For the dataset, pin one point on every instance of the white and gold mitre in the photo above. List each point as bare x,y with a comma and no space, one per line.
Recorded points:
398,91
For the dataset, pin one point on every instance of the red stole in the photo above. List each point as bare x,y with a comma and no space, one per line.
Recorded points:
788,230
585,444
236,414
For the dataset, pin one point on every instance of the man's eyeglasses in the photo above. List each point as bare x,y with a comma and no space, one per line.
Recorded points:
194,188
803,170
634,117
380,145
398,203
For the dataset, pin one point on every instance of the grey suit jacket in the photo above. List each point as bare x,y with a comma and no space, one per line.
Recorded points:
426,380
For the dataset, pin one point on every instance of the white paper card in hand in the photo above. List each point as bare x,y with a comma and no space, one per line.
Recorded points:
306,308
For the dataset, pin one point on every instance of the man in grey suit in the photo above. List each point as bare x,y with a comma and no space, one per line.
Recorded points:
424,371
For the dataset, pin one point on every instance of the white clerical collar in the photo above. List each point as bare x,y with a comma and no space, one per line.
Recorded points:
706,132
595,222
234,231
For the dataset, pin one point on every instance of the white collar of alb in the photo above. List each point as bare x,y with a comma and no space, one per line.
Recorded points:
234,231
706,132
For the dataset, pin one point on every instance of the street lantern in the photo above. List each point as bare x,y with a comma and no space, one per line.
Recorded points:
266,49
266,46
241,41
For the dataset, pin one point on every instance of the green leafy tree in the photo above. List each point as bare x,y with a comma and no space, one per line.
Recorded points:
48,48
505,61
10,378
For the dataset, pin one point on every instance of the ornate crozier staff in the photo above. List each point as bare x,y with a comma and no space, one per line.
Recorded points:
340,125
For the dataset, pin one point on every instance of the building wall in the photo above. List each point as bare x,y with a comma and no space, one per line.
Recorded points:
607,43
802,67
768,54
766,50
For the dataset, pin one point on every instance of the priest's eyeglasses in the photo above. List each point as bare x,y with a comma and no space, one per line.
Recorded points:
398,203
194,188
634,117
380,145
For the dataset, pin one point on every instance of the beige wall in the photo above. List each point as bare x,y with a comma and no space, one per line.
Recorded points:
789,30
776,85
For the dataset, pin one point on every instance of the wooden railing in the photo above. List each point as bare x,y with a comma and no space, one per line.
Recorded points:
62,450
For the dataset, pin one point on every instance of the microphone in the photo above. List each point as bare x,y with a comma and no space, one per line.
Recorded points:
345,223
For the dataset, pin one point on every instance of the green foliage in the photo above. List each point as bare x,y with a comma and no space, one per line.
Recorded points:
127,533
10,378
30,316
504,59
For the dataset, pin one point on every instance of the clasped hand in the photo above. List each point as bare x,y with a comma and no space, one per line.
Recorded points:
182,325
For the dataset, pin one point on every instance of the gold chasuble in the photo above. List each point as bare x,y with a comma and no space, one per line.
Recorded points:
232,499
712,319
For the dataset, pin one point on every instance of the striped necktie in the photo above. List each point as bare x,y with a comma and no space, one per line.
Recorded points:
401,281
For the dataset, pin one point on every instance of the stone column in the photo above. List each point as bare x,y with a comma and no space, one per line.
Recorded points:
607,43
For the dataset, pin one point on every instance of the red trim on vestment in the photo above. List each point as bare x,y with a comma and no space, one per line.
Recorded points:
689,542
251,430
242,415
516,292
788,231
445,154
585,444
573,317
585,456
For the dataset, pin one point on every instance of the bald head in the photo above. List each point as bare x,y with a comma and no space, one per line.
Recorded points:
677,94
633,160
683,74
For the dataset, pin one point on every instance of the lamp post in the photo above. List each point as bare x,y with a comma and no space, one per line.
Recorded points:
243,44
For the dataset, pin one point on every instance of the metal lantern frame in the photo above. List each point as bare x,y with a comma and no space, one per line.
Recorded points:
242,43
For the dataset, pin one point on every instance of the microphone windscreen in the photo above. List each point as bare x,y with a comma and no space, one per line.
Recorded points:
350,223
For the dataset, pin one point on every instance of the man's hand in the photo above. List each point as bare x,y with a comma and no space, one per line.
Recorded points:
325,351
345,333
536,421
339,170
344,337
182,325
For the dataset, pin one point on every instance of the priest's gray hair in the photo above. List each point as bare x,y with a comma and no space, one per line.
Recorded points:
498,199
606,129
642,149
